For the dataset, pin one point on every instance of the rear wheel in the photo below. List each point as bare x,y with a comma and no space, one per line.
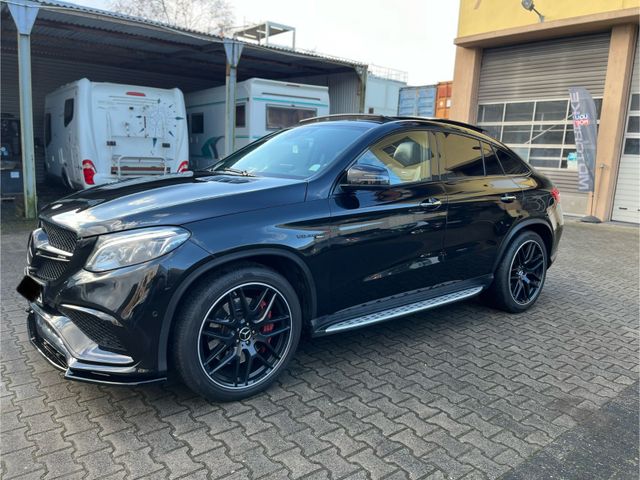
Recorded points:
520,275
236,333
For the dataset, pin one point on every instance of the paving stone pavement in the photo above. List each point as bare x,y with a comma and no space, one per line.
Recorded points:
459,392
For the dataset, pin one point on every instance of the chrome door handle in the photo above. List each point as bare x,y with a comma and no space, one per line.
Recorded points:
431,203
507,198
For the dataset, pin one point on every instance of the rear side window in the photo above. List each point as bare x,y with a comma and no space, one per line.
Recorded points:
47,129
510,164
460,156
197,123
68,111
491,164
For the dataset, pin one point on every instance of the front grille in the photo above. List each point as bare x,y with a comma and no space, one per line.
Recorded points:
50,269
60,237
96,329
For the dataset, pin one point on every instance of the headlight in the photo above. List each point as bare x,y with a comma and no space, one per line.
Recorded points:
117,250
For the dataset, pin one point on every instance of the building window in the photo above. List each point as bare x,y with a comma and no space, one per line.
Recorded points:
539,131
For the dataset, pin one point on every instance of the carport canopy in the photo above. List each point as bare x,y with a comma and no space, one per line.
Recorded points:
68,32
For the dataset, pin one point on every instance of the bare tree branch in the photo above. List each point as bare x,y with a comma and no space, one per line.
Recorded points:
209,16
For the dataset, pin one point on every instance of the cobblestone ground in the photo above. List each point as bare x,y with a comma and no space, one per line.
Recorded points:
460,392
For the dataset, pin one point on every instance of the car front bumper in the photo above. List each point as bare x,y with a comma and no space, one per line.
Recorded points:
67,348
107,327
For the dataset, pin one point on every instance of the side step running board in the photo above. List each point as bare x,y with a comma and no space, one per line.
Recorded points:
401,311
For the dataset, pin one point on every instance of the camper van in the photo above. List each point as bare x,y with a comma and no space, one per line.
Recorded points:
98,133
262,106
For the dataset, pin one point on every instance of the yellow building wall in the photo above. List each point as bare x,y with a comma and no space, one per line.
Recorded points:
483,16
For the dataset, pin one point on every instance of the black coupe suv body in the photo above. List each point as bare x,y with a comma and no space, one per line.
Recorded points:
341,222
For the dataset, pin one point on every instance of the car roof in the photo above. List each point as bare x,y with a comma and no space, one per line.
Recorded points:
403,120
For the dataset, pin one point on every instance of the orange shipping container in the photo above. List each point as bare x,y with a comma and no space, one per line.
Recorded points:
443,99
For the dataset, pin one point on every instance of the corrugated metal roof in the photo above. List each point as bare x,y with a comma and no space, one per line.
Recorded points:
90,17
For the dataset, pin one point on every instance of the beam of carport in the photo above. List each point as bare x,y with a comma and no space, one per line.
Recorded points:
24,13
233,50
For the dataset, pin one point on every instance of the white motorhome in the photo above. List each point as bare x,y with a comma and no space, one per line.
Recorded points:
262,106
98,133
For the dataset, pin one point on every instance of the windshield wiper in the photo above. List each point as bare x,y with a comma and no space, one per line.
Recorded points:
236,171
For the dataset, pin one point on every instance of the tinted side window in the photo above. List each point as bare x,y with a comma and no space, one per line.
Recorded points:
197,123
407,157
47,129
491,164
510,164
68,111
460,156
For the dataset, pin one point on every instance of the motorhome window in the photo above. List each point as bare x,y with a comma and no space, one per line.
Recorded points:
241,121
47,129
283,117
197,123
68,111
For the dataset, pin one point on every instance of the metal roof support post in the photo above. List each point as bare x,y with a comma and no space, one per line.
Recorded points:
24,13
233,49
362,73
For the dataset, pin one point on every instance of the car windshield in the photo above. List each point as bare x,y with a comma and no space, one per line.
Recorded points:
300,152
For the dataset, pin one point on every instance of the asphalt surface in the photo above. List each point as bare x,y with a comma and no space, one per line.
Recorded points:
459,392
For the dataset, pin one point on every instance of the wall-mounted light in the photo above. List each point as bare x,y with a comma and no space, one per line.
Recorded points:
528,5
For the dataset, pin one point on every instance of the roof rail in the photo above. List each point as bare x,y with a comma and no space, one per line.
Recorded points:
347,116
385,119
446,121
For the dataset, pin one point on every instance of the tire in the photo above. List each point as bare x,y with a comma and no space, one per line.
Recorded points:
515,269
236,332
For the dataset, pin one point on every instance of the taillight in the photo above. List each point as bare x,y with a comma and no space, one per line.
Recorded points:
555,193
183,167
89,171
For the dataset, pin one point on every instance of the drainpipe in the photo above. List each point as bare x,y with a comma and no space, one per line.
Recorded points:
232,49
24,13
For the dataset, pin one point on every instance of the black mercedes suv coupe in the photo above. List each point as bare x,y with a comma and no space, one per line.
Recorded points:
335,224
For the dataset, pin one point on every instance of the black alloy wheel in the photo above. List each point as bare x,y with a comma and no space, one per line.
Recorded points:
236,331
519,275
527,272
245,335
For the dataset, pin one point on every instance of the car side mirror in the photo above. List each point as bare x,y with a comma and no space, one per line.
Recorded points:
366,176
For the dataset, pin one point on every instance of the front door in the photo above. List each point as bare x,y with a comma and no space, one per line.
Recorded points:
483,205
388,240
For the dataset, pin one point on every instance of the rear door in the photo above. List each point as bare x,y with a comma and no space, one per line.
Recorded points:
389,240
483,204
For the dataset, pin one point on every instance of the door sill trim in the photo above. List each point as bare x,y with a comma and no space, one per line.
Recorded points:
399,311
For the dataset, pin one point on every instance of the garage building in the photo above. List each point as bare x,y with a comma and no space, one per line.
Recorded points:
512,73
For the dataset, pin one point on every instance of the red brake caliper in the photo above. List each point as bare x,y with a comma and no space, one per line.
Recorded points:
267,328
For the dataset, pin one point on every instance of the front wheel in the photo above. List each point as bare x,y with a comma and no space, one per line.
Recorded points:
236,333
520,275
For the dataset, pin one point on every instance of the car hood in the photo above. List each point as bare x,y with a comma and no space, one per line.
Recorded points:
171,200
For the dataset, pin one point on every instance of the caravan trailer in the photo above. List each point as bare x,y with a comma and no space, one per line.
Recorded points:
262,106
98,133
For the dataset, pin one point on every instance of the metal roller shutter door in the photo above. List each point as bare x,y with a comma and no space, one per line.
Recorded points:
544,69
626,203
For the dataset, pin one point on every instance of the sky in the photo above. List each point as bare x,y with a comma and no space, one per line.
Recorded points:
415,36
